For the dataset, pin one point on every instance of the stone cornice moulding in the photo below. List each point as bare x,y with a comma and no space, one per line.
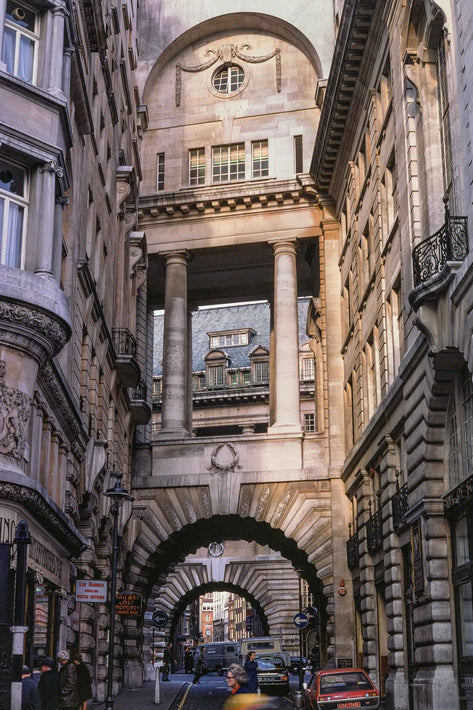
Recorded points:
32,497
243,196
226,54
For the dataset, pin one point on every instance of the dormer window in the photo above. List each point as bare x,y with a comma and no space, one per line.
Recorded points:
216,369
229,338
259,357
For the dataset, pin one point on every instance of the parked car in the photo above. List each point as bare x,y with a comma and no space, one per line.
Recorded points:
340,688
273,676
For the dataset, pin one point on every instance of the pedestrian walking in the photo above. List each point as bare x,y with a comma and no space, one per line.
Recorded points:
200,667
48,686
69,684
188,661
83,679
251,668
167,661
30,698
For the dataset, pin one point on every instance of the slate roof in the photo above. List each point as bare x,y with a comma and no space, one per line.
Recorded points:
255,316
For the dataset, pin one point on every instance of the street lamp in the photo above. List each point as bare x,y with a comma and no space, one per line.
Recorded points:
118,494
301,665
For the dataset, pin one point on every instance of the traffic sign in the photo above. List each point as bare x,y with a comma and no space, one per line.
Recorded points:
301,620
312,613
160,618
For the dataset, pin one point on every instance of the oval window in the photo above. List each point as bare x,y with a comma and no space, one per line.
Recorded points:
226,80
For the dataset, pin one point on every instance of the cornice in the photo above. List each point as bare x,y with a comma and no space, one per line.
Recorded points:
33,498
344,75
232,196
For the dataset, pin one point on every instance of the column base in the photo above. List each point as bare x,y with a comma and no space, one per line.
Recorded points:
285,429
173,434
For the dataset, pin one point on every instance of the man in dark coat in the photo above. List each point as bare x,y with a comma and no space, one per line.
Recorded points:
83,677
30,699
200,667
68,682
167,660
48,686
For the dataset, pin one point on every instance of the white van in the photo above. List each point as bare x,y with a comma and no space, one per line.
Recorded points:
264,645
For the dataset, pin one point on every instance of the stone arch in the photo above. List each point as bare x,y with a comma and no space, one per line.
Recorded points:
235,21
193,594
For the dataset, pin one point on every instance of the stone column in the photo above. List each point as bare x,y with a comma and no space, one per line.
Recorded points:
57,52
66,71
286,340
190,373
60,203
3,7
46,232
175,350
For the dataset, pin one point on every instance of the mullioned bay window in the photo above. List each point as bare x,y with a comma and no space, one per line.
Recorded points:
13,211
20,41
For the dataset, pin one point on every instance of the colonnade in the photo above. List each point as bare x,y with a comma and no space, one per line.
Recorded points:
177,346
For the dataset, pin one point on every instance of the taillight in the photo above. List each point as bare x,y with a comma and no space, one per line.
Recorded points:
284,677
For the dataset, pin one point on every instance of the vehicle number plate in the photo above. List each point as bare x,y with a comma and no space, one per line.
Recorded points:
353,704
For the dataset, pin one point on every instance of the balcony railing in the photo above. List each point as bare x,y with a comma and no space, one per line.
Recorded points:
449,243
140,392
400,507
374,532
353,551
124,342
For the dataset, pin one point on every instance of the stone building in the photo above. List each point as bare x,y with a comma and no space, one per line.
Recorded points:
72,305
393,151
202,137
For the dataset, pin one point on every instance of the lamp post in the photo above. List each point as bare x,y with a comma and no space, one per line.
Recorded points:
118,494
22,540
301,665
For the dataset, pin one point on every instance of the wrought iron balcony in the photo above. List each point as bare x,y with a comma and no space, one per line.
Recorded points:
125,360
139,407
353,552
449,243
374,532
400,507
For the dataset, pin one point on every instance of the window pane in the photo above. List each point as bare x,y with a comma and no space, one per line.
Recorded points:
22,17
25,59
468,419
462,554
15,228
2,211
466,618
8,54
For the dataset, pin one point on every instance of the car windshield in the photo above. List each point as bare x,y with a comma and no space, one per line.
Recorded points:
269,663
344,683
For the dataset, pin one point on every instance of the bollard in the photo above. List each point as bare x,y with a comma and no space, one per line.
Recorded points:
297,695
157,688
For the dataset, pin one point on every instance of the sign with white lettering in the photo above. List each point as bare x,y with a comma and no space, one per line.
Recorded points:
91,590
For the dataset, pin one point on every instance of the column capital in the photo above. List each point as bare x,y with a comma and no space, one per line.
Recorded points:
176,257
284,246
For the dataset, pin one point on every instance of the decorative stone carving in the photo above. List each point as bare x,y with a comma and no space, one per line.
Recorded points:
282,507
64,407
28,317
227,53
224,458
262,504
52,167
14,414
32,501
245,502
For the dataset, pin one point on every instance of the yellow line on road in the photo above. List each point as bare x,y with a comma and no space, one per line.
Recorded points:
185,697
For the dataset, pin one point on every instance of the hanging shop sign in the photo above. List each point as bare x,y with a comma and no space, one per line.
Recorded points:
93,591
128,604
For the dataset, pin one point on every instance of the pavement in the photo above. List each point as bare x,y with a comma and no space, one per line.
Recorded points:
143,698
180,694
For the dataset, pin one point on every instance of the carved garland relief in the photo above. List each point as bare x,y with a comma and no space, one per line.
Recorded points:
222,54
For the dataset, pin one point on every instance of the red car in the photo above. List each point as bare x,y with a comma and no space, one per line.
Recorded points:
340,688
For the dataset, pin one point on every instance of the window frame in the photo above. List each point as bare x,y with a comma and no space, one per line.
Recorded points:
196,180
240,163
160,171
23,202
258,161
33,36
309,422
229,77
